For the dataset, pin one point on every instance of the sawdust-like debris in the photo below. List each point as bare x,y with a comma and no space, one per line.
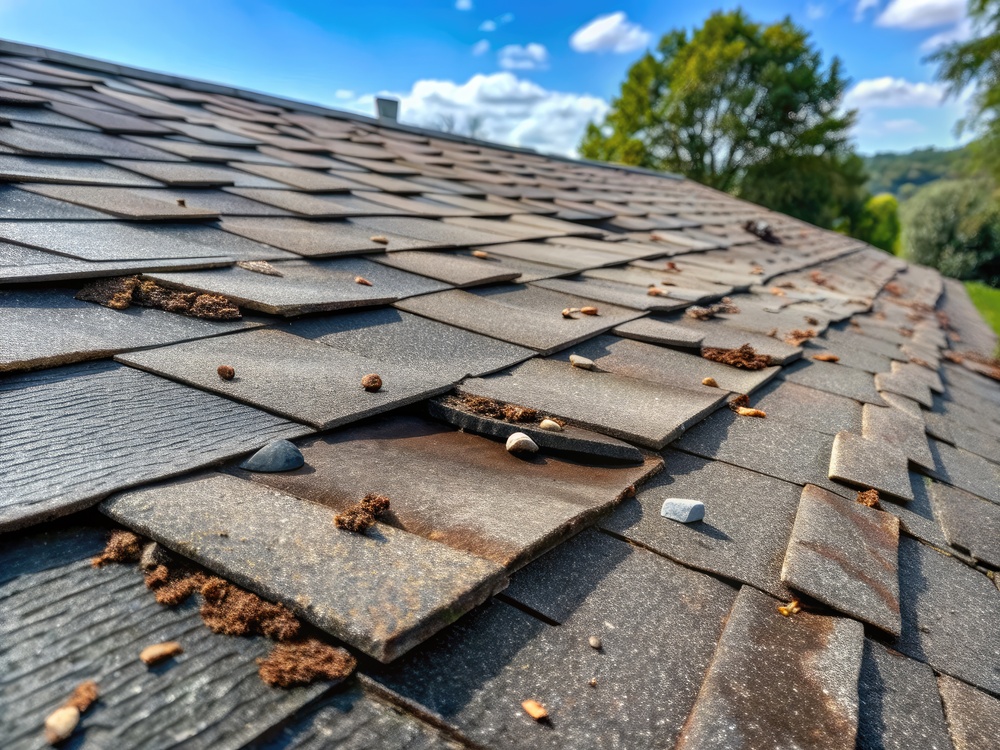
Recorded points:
115,293
123,546
493,409
746,357
363,514
83,696
303,662
868,498
798,336
230,610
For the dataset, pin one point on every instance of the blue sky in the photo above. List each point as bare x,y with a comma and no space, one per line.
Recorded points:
528,73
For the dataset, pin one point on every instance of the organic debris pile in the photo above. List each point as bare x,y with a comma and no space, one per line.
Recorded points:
725,307
123,546
746,357
362,515
762,230
868,498
798,337
303,662
124,291
487,407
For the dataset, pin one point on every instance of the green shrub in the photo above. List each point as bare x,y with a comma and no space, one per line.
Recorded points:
878,223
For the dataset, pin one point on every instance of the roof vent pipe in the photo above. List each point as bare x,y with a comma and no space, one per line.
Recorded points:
387,109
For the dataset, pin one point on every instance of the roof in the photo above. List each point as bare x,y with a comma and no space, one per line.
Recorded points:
156,231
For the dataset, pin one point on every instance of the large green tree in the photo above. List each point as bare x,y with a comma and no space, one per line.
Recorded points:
743,107
976,64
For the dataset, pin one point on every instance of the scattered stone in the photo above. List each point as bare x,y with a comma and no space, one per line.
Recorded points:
550,425
59,724
589,311
710,382
482,254
123,546
683,510
521,443
826,357
593,682
278,455
868,498
595,642
582,362
363,514
226,372
152,655
746,357
379,238
153,555
304,662
371,383
259,266
535,710
362,280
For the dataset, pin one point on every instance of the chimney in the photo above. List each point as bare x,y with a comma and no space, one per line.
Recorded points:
387,109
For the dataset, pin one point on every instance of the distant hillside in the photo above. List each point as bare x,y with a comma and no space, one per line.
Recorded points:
903,174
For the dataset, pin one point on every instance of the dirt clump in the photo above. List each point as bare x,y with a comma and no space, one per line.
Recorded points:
173,586
868,498
115,293
303,662
230,610
798,336
83,696
362,515
123,546
745,358
725,307
488,407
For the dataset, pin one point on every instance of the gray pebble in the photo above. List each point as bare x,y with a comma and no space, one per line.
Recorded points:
278,455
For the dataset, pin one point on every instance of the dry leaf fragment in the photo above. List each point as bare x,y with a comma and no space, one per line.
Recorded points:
746,411
362,280
534,709
569,312
787,610
379,238
710,382
826,357
589,310
158,652
481,254
868,498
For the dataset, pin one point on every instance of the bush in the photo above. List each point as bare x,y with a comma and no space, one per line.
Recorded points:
878,223
954,226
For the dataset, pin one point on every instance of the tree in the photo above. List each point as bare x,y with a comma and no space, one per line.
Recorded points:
976,63
742,107
954,226
878,223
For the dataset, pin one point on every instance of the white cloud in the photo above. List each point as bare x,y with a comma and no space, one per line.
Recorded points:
921,14
815,11
610,33
463,4
481,47
903,126
505,108
488,25
344,94
531,56
960,32
893,93
505,18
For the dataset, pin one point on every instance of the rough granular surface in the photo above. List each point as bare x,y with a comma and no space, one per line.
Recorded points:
304,662
363,514
488,407
746,357
122,292
115,293
868,498
123,546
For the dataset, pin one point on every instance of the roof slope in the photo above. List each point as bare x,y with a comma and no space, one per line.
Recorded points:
155,231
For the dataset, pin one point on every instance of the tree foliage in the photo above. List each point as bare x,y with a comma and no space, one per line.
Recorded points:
904,174
741,107
976,63
878,223
954,226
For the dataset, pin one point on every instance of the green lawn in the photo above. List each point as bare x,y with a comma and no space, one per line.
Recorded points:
987,301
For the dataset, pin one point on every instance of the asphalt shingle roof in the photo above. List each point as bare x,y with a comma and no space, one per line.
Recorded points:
459,270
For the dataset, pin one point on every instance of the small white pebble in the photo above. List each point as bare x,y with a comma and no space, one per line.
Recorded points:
594,641
683,510
551,425
59,724
521,443
582,362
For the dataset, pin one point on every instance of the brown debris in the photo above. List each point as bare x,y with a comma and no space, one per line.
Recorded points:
826,357
746,357
672,267
173,586
123,546
259,266
725,307
226,372
710,382
303,662
83,696
787,610
894,288
589,311
763,231
811,320
776,291
481,254
798,336
746,411
756,271
739,401
153,655
868,498
569,312
379,239
655,291
363,514
819,279
371,383
362,281
230,610
115,293
487,407
535,710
